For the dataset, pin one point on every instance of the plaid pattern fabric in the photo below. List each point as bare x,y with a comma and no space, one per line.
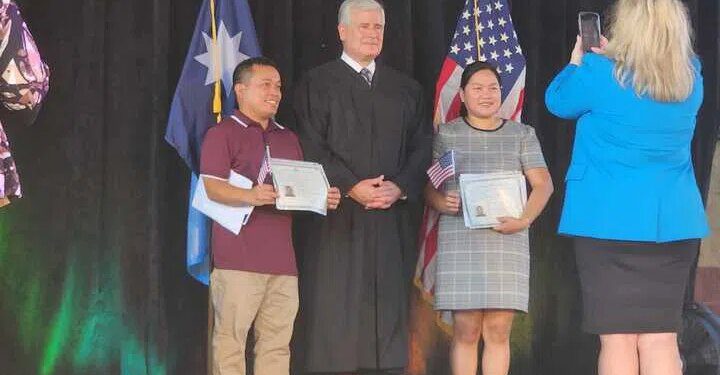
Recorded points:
481,268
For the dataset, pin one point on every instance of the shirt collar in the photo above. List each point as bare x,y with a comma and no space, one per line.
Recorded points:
356,65
244,121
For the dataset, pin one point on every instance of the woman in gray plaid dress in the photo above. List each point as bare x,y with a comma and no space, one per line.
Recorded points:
483,274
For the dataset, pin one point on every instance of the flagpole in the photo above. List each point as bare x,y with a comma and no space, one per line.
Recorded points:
217,100
476,13
217,110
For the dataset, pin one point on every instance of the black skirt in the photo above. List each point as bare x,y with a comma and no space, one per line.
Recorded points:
633,287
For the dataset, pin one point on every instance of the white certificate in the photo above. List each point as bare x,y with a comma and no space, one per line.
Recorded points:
300,185
485,197
231,217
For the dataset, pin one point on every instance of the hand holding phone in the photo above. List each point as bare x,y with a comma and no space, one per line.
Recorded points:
589,27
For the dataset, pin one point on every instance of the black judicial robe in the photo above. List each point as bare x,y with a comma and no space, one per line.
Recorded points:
355,264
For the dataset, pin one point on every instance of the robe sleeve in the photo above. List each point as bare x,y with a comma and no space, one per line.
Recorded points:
412,177
311,116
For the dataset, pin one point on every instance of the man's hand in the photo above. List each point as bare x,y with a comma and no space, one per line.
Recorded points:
364,190
510,225
384,196
261,195
333,198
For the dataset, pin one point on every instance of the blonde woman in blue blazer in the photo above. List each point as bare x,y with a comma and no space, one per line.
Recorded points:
631,199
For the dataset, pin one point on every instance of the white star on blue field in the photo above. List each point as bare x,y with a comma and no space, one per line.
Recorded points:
229,56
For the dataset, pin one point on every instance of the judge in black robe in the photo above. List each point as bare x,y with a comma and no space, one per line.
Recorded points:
374,141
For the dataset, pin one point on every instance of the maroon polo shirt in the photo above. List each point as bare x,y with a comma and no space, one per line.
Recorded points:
264,245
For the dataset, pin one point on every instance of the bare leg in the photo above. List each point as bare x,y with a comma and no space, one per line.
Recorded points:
497,325
467,330
659,354
618,354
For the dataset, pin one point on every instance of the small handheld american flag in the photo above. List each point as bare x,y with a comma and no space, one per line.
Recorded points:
264,167
442,169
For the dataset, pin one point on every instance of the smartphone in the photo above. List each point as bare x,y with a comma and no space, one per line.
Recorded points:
589,26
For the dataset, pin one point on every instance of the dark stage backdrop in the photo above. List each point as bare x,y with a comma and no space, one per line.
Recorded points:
92,277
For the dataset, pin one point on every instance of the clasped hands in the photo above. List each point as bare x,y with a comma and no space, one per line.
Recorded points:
375,193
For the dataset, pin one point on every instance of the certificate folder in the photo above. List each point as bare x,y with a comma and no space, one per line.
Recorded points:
488,196
300,185
231,218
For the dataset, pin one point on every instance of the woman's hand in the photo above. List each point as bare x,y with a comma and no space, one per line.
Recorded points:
510,225
449,203
603,45
578,52
445,203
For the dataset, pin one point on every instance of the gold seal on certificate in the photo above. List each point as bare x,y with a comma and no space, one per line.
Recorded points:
300,185
488,196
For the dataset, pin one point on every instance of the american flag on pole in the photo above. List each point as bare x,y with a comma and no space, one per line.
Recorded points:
484,32
442,169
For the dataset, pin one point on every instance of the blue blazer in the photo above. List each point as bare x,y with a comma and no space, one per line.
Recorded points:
631,175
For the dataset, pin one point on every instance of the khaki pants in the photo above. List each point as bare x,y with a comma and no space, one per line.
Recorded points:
240,297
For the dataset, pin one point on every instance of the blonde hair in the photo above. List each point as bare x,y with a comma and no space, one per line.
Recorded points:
651,44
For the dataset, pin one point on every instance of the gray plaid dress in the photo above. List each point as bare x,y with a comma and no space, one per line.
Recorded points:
481,268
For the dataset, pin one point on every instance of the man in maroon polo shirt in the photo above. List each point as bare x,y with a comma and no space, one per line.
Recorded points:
254,276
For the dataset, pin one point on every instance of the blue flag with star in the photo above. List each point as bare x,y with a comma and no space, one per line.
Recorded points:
191,110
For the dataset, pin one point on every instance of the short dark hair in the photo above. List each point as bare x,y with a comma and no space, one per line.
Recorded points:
242,71
469,71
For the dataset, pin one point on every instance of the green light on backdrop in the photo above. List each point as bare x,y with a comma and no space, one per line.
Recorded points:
86,330
134,360
60,327
30,317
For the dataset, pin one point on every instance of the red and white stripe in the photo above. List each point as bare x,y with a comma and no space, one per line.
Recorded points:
264,167
439,176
